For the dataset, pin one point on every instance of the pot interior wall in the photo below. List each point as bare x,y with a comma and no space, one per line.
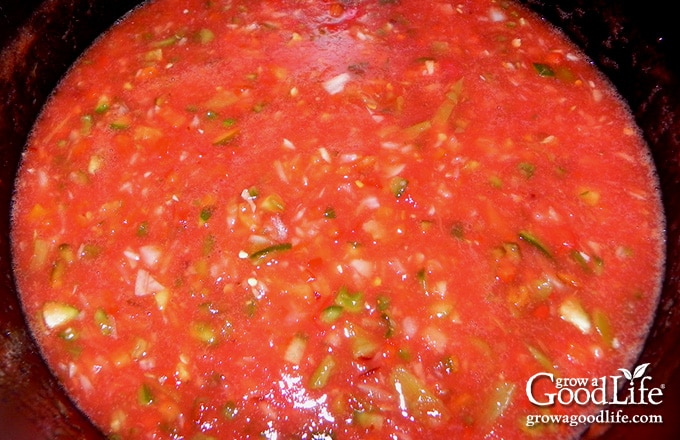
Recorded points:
634,45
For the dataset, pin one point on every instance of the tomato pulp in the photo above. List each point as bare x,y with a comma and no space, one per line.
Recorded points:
333,220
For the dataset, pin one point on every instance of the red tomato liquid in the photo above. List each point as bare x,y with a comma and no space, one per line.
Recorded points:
366,219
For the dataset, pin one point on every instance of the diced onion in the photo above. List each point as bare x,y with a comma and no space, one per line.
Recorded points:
337,83
150,255
56,314
572,312
132,257
375,228
324,154
496,15
295,350
363,267
370,202
409,326
145,284
394,170
86,384
435,339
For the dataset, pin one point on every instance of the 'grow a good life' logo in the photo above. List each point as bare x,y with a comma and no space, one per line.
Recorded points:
544,389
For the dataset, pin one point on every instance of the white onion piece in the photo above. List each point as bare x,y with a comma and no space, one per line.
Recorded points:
337,83
145,284
150,255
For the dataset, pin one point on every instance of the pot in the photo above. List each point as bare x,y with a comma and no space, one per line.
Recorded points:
633,44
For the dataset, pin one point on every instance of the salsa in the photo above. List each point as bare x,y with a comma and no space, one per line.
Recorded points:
334,219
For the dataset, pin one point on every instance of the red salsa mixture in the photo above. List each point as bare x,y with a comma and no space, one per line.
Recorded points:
333,219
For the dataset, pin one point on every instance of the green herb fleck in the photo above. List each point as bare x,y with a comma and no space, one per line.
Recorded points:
527,169
143,229
144,395
329,212
544,70
206,213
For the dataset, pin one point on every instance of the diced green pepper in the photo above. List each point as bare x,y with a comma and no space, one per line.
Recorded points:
265,252
457,230
542,288
362,344
414,131
383,303
206,213
95,164
388,323
154,55
443,113
541,358
455,91
251,307
323,372
441,309
143,229
273,203
536,243
404,354
591,264
448,365
41,249
86,123
565,74
329,212
144,395
603,326
205,36
140,349
590,197
230,410
66,253
90,250
351,301
103,322
252,193
226,137
208,244
496,181
331,314
204,332
121,123
421,277
421,403
544,70
102,105
368,419
166,41
500,399
527,169
398,186
508,251
68,334
57,273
